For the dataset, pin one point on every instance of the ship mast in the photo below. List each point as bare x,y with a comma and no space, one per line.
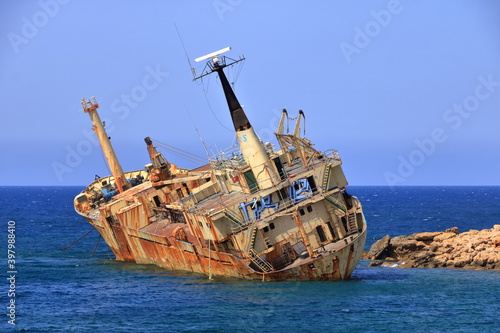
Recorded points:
251,147
90,106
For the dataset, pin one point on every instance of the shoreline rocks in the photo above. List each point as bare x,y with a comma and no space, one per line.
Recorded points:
478,249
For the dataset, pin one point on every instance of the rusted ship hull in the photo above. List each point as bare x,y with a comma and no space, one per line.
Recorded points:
131,245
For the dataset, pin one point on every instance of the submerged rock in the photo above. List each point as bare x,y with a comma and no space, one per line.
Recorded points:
478,249
375,263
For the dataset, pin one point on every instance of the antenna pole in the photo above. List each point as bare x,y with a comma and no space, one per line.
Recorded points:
252,148
185,52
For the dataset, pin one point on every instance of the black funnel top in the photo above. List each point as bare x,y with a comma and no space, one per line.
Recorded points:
239,117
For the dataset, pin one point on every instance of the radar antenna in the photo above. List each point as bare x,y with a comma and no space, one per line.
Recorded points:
253,150
216,62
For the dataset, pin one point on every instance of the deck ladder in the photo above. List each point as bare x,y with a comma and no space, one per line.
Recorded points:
326,177
352,223
253,236
238,222
261,263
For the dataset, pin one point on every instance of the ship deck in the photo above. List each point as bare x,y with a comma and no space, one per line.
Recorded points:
220,201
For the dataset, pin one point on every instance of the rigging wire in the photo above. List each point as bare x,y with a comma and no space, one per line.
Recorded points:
95,247
104,157
105,162
79,239
186,157
170,147
180,153
210,107
288,119
238,71
197,131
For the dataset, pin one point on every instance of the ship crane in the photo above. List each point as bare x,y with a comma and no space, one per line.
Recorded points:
90,106
160,168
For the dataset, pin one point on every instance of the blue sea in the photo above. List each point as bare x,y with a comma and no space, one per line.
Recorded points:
75,291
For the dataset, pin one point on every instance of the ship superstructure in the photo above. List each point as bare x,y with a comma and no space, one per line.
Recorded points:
253,211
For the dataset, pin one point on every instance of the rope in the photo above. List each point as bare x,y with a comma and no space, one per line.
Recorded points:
95,247
288,119
175,148
236,74
180,153
210,107
79,239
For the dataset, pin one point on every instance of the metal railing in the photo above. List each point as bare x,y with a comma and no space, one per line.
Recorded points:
333,154
230,158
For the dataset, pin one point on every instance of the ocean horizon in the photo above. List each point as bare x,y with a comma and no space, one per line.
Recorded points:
83,289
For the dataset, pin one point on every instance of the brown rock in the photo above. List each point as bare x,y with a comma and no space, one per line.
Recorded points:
423,255
379,248
471,232
426,236
481,248
403,244
478,242
423,259
441,260
375,263
461,262
444,235
480,260
453,230
496,242
448,249
434,247
471,249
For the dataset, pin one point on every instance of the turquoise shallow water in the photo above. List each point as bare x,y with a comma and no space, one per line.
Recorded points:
70,291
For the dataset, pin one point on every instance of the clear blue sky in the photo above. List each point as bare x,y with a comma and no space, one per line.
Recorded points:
407,91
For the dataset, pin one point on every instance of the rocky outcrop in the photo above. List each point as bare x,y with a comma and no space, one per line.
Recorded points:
449,248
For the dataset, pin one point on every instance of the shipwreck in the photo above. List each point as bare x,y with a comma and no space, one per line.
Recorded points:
252,211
